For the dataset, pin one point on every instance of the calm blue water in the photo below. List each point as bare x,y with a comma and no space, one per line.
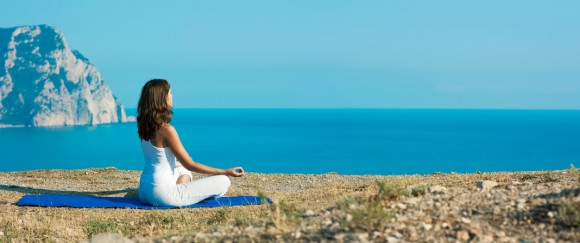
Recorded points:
347,141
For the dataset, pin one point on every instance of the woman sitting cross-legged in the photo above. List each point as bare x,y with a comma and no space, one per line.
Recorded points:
166,179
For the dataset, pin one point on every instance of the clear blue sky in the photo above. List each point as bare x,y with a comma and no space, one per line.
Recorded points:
327,54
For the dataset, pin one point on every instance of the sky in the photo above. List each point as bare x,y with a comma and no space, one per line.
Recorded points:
518,54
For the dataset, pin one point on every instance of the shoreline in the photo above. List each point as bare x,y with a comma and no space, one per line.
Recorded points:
308,207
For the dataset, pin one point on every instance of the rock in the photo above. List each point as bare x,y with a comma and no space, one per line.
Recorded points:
363,237
108,237
436,189
391,239
412,200
401,206
462,235
427,227
486,238
486,185
45,83
412,231
297,234
465,220
308,213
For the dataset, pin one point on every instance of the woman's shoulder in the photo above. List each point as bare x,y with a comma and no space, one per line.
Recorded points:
166,129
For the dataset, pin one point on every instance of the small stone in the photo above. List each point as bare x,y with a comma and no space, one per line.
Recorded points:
520,206
462,235
327,222
537,202
397,234
496,210
412,232
550,240
297,234
391,239
486,185
551,214
348,218
376,234
412,200
542,226
436,189
363,237
507,239
427,226
465,220
486,238
108,237
308,213
401,206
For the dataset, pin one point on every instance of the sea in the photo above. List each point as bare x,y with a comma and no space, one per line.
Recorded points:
314,141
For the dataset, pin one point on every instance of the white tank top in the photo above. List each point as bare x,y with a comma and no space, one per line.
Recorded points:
159,166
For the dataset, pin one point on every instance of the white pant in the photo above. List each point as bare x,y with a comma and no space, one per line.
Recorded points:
184,194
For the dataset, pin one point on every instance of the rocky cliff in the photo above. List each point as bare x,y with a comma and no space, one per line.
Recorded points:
45,83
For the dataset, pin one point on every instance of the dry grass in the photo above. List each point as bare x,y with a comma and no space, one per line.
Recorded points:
293,194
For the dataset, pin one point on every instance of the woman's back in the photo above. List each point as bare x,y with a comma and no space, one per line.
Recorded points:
159,165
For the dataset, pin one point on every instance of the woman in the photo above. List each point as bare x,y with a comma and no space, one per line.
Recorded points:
166,179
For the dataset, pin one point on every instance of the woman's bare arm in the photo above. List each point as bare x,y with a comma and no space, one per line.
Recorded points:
174,143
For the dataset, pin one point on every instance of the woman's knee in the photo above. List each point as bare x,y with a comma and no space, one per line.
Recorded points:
224,181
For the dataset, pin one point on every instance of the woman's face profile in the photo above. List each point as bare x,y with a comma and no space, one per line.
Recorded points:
170,99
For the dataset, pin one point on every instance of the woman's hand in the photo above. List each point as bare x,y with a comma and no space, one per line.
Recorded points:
236,171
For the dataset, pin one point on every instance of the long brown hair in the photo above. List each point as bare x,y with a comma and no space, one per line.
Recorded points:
153,110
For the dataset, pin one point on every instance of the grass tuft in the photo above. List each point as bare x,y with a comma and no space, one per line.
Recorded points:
7,230
528,177
419,190
569,212
390,191
262,196
575,173
547,177
371,213
97,226
219,217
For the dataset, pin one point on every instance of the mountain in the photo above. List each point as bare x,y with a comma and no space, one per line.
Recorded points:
45,83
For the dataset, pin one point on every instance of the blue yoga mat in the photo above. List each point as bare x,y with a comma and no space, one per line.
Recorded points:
47,200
